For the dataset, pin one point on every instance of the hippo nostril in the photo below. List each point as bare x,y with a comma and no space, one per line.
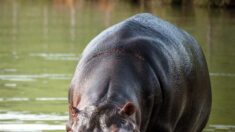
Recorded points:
68,128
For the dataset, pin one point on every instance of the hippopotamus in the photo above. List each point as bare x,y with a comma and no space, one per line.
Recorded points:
141,75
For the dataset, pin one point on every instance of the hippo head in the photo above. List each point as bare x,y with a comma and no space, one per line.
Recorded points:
105,118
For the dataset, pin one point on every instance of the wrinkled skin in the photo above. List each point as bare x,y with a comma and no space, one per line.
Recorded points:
141,75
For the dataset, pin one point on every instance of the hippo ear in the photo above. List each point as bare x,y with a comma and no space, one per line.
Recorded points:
128,109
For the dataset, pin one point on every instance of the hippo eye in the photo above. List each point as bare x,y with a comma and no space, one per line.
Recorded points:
74,111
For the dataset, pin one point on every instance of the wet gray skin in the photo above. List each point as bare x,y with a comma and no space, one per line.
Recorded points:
143,74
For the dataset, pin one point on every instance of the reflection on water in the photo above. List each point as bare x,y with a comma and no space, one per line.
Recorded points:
220,128
24,116
36,99
25,121
56,56
32,77
15,99
41,42
222,74
31,127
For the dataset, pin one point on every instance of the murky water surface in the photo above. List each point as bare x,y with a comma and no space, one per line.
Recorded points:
41,42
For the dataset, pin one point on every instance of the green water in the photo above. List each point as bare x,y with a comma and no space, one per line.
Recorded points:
41,41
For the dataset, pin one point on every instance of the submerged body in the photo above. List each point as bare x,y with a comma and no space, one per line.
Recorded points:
143,74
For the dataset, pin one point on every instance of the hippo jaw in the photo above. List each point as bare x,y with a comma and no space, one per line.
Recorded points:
106,118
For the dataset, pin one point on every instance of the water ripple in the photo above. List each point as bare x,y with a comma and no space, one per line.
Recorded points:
34,77
51,99
223,74
32,117
56,56
36,99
